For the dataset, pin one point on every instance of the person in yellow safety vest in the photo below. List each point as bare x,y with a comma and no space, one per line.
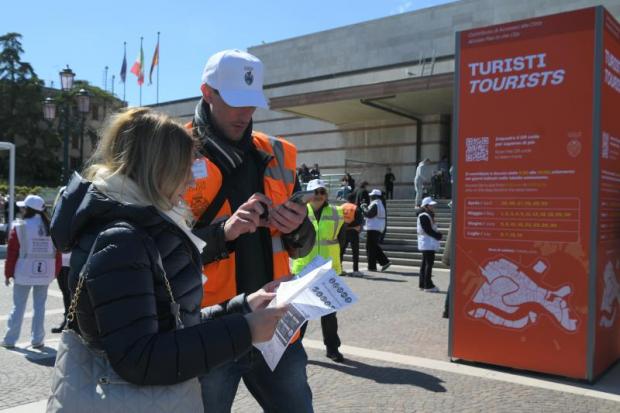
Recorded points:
354,219
242,182
328,221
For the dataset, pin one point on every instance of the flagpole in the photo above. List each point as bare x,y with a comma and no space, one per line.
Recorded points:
124,81
158,67
141,38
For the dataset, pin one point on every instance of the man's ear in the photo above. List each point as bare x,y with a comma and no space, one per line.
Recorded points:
207,93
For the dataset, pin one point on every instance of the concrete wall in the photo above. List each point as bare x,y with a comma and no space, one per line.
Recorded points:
398,39
373,52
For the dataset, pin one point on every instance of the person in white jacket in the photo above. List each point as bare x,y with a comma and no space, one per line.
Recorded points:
32,262
375,225
428,243
423,176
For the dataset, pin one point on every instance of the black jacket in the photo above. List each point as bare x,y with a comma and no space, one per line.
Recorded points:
125,307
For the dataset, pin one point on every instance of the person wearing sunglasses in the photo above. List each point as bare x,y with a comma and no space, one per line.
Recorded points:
328,222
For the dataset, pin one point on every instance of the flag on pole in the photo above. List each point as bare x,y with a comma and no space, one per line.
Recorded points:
154,62
138,67
124,68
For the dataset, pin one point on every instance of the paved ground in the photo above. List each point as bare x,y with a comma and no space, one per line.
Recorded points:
395,343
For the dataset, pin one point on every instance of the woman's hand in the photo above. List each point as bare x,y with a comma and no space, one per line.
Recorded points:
260,299
263,322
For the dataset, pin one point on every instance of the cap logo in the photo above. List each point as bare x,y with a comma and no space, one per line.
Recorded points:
249,77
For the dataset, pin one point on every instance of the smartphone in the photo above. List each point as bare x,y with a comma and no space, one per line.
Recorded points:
302,197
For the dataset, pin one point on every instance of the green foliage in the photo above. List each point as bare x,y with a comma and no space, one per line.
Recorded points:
20,191
21,118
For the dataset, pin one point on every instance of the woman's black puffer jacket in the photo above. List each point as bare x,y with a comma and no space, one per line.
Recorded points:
124,308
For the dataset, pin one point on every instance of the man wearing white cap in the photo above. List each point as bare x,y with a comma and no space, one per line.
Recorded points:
239,199
328,222
428,243
375,225
32,262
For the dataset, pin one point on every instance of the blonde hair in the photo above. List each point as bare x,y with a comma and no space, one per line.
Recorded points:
148,147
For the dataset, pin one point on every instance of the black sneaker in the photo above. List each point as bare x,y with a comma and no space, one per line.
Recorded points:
58,330
335,355
386,266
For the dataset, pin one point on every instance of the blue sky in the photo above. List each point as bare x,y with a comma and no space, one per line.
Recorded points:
89,35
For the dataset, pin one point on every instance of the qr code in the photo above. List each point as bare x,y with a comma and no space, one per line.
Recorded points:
477,149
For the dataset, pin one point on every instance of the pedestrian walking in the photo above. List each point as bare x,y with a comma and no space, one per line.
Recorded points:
388,182
32,263
422,180
446,259
315,172
354,219
361,194
240,175
136,279
351,181
328,222
428,243
375,225
63,276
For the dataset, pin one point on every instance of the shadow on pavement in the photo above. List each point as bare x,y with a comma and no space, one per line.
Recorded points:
371,278
608,381
44,357
385,375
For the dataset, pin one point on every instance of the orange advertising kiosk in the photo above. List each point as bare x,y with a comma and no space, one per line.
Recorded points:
535,281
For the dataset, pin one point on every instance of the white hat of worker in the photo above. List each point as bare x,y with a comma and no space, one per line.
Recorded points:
238,78
33,202
316,184
375,192
428,201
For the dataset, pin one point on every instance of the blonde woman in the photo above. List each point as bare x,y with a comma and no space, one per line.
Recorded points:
130,198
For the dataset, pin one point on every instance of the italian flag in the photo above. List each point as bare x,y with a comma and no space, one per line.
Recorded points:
138,67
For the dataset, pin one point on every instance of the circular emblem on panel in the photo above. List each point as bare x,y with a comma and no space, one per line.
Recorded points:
573,147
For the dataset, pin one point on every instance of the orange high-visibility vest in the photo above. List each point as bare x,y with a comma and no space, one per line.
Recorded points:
349,213
279,183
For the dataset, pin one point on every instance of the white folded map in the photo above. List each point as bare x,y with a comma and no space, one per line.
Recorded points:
316,291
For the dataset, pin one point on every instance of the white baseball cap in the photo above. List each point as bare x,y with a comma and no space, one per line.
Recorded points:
316,184
237,76
428,201
375,192
33,202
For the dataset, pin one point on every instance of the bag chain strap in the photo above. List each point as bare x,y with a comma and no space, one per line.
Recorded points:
74,300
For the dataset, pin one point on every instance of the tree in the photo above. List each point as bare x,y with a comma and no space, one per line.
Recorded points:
21,119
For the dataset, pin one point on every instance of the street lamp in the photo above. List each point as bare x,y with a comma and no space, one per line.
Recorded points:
83,101
49,113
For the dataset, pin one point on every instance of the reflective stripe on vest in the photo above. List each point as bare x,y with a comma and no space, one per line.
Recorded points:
220,275
326,244
279,172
